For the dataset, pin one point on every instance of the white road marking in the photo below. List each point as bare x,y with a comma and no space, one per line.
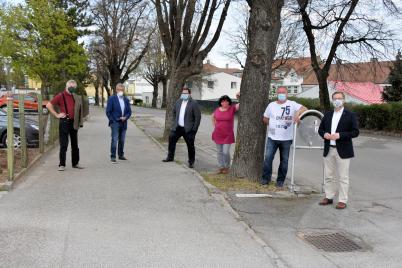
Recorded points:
254,195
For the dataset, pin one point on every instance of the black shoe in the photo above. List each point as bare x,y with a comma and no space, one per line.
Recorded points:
191,165
168,160
122,158
279,184
264,182
78,167
326,202
113,160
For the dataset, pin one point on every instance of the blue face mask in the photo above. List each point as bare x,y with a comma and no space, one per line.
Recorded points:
184,96
281,97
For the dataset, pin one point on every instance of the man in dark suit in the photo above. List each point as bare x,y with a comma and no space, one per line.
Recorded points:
118,111
187,118
337,128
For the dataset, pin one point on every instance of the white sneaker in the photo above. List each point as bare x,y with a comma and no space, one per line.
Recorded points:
62,168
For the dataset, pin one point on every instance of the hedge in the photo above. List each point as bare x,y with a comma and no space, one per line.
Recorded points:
380,116
387,116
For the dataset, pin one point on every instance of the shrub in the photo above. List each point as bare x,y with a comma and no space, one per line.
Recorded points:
311,104
386,116
138,102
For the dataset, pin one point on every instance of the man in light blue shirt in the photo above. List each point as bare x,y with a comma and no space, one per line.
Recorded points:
118,111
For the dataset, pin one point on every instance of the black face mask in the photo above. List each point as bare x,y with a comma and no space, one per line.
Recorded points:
71,89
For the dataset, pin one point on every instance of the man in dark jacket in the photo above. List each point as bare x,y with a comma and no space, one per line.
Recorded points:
118,111
187,118
337,128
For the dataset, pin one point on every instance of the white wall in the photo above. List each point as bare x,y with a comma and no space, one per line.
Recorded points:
139,85
222,85
147,98
293,82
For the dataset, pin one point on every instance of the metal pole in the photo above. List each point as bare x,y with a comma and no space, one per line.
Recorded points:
323,178
292,179
24,153
41,127
52,130
10,138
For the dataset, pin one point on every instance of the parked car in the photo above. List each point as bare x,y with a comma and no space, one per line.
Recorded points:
31,130
3,91
91,100
30,102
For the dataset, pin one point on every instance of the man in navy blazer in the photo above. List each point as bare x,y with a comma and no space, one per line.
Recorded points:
118,111
337,128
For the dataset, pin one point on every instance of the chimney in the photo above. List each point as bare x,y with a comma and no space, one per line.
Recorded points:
227,65
208,61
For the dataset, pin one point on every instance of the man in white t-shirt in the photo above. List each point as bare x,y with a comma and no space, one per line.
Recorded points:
280,117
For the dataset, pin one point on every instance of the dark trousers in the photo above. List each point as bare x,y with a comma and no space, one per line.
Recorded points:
118,138
270,149
189,138
66,128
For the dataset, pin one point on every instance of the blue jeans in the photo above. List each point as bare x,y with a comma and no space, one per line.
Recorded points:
118,137
270,150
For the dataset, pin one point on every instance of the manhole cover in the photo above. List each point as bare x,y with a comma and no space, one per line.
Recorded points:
331,241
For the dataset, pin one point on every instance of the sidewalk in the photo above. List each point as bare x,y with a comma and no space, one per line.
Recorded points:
372,219
139,213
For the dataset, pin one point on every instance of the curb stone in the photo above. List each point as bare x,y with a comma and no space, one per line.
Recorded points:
222,198
8,185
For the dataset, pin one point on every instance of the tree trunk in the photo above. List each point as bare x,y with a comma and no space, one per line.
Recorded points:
114,79
155,93
97,95
176,83
263,32
325,104
164,93
103,97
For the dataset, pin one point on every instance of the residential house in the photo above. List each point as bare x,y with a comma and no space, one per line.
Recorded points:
374,71
215,82
355,92
290,73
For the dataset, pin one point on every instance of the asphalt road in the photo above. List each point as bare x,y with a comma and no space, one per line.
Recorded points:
374,213
136,213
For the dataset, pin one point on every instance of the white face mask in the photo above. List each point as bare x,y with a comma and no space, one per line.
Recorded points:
337,103
120,93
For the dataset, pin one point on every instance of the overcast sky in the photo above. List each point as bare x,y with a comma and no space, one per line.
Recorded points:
218,59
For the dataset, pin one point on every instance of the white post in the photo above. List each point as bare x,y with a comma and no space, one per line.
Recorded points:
292,179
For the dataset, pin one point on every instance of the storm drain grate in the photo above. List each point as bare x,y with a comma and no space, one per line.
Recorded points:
331,242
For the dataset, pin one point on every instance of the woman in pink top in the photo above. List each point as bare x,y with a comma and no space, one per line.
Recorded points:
223,134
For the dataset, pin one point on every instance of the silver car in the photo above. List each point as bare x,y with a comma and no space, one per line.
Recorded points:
31,128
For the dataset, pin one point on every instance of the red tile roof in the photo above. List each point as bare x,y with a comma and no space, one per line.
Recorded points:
364,91
376,72
301,65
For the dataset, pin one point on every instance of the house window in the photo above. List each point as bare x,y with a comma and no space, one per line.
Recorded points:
295,90
146,99
289,90
233,85
210,84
